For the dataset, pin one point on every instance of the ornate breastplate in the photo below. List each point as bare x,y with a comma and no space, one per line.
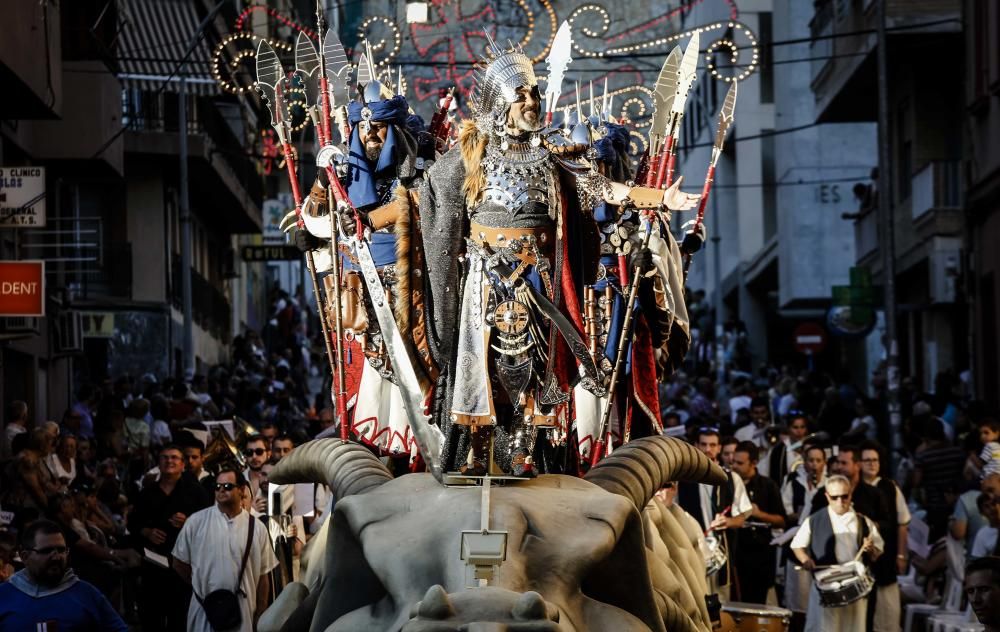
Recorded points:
520,186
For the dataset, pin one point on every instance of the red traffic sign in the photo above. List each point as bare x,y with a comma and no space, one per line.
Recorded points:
22,288
809,338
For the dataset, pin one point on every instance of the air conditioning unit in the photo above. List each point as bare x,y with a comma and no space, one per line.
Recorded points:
69,333
20,326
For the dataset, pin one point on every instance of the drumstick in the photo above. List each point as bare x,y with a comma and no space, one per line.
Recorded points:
861,551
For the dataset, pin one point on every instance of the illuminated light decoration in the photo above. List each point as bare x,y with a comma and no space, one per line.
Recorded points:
242,47
583,20
295,104
277,16
439,42
379,45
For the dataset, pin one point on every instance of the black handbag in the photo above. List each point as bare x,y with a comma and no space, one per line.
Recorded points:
222,607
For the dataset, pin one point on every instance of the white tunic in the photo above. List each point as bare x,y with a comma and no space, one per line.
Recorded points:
213,544
845,534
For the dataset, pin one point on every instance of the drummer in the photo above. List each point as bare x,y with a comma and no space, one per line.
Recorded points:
834,535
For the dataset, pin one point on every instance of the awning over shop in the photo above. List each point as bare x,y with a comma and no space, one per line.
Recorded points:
155,36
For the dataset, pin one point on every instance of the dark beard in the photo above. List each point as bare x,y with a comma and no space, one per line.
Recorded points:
373,153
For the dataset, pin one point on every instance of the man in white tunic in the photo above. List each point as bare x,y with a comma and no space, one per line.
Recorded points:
812,547
210,548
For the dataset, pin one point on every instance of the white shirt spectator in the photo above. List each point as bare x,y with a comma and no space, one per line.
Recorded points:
985,543
213,544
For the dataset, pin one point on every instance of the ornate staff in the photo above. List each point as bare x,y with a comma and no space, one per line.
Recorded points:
332,55
270,77
693,239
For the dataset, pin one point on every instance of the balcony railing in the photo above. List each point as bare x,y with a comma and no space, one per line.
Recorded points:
937,186
209,306
79,258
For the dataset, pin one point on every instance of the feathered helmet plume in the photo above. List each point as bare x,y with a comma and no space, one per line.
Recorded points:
499,76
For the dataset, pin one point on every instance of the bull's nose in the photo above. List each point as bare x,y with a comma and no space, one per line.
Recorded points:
482,610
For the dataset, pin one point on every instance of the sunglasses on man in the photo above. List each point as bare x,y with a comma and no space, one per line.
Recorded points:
225,486
839,497
253,451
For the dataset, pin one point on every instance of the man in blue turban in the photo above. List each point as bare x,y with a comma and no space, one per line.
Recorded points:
382,166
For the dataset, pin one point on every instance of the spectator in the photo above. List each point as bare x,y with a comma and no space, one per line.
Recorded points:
729,443
137,432
160,511
31,483
966,521
281,446
47,595
937,471
257,453
760,415
86,458
17,420
989,436
755,558
982,588
62,463
213,543
863,425
986,540
88,400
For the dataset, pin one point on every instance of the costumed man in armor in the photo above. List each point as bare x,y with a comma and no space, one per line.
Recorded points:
834,535
382,166
511,242
659,333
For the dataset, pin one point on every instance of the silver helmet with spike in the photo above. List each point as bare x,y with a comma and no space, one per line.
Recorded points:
498,80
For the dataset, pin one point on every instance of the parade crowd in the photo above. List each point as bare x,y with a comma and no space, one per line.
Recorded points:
110,509
106,506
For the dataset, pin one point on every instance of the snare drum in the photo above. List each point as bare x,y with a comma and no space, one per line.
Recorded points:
843,584
715,555
751,617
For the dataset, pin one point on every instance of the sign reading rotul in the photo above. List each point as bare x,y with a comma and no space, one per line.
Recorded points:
22,197
22,288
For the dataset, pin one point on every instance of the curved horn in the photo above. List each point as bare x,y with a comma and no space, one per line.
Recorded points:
639,468
347,468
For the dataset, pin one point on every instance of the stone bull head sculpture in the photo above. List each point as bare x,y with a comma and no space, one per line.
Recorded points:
582,554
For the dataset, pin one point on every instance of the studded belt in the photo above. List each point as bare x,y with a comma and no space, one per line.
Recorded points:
512,239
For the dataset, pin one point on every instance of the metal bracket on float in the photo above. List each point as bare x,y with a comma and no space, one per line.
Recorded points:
483,551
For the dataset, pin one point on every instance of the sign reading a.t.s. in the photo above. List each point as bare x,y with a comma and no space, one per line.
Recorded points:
22,197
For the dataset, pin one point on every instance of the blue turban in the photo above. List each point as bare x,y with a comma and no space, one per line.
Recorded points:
360,175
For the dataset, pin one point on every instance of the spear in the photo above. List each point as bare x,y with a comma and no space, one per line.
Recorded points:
557,60
663,98
270,80
693,240
685,77
328,57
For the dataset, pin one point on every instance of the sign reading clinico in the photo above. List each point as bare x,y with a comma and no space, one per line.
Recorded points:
22,197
